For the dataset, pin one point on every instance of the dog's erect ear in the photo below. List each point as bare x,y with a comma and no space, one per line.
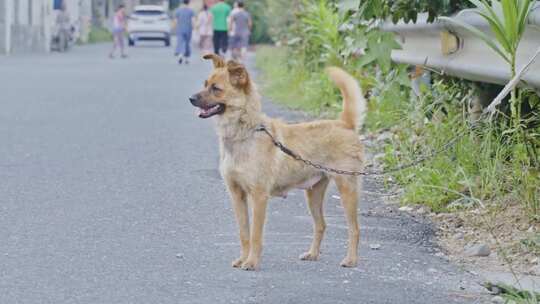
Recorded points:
238,75
218,61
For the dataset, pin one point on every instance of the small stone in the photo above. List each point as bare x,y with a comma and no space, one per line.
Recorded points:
378,157
406,209
345,281
421,210
534,261
480,250
375,246
385,136
535,270
179,256
336,197
459,236
497,300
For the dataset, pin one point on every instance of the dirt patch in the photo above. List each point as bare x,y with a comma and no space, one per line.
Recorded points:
512,239
504,227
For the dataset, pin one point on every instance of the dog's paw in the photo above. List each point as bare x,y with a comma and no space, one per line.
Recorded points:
348,262
238,262
308,256
250,265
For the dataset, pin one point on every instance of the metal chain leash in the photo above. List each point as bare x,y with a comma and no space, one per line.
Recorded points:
291,153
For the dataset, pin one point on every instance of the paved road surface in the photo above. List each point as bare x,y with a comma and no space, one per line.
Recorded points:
109,193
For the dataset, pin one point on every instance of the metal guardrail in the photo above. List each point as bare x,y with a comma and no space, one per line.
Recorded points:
454,51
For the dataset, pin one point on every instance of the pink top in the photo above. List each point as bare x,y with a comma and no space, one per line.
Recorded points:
118,21
204,21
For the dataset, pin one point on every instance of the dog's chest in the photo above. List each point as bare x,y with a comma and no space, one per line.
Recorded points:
238,159
246,164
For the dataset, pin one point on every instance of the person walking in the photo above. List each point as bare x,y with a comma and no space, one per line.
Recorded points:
241,24
118,30
204,28
185,20
230,25
220,13
63,24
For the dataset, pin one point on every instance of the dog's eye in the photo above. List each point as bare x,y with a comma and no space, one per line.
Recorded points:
215,89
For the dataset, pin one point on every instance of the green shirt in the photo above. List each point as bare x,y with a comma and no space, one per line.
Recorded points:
220,12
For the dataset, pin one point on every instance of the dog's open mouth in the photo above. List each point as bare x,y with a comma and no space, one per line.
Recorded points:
206,112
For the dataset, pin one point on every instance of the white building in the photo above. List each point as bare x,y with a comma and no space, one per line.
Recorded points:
25,25
28,25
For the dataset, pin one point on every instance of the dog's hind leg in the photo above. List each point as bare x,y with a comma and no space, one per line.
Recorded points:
238,197
349,188
315,199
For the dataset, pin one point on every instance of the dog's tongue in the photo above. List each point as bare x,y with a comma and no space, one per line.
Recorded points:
203,112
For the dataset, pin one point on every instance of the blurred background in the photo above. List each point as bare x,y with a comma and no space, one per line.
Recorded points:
29,25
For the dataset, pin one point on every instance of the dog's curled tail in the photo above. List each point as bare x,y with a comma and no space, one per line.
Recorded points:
354,103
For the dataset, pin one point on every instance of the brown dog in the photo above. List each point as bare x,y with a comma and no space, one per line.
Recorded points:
255,170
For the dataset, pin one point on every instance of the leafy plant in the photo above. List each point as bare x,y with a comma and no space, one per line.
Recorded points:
507,20
317,40
280,17
513,295
406,10
99,34
321,36
260,32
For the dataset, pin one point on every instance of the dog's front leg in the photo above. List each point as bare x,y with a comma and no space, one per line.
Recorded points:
239,202
259,201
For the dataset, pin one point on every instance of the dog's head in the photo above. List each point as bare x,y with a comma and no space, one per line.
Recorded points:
225,90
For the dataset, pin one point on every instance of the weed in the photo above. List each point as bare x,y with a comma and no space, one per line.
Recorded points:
513,295
99,34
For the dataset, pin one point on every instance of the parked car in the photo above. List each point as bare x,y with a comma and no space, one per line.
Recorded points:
149,22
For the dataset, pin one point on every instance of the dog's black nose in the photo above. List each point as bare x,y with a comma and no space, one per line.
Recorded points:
193,99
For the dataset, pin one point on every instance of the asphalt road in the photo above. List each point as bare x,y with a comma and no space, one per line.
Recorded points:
109,193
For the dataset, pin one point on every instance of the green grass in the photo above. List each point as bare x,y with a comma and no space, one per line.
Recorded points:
484,166
312,92
471,171
513,295
99,34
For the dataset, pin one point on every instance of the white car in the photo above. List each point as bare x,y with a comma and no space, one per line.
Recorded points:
149,22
